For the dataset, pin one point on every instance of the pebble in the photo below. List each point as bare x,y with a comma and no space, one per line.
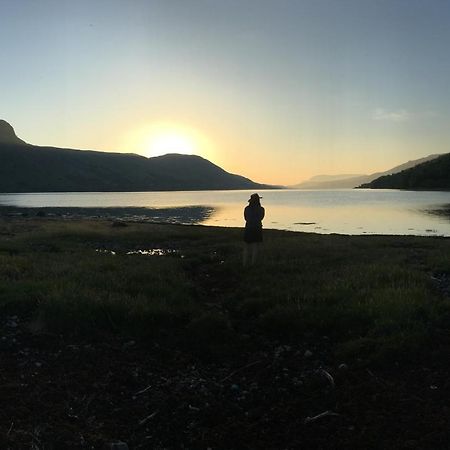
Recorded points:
129,344
194,408
118,446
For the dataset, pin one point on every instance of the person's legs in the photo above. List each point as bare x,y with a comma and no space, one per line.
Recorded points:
245,255
254,246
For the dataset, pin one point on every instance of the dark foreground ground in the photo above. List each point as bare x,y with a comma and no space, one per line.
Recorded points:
331,342
59,393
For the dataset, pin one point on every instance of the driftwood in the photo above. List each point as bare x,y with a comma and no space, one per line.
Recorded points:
240,370
143,391
320,416
146,419
328,376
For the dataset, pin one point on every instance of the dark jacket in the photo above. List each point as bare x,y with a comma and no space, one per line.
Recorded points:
253,214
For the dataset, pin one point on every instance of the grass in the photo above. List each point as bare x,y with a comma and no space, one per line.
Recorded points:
373,297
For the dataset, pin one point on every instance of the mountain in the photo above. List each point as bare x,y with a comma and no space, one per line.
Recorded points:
8,135
351,181
328,181
30,168
322,178
430,175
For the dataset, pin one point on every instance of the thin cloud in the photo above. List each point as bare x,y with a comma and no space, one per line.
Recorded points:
431,114
400,115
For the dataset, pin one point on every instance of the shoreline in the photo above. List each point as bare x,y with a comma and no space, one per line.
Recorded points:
183,215
186,215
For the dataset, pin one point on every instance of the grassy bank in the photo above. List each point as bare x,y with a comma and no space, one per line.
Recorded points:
376,298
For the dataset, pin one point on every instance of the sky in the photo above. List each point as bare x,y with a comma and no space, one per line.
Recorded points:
277,90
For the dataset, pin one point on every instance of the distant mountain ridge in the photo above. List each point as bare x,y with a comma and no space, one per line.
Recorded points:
432,175
352,181
29,168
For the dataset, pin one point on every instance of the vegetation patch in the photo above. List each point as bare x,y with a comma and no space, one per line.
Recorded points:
354,290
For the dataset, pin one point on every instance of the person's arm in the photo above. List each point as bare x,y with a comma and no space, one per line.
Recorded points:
263,212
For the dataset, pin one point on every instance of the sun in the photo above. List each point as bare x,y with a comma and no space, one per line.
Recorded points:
161,138
170,141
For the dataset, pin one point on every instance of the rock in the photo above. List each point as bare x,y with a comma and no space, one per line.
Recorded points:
129,344
119,224
117,446
308,354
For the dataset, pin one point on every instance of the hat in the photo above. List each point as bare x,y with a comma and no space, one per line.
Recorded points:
254,197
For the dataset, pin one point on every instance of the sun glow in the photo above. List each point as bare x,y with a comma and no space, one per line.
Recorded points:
165,137
160,138
170,141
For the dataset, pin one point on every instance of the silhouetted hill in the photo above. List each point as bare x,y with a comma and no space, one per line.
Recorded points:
351,181
8,135
29,168
433,175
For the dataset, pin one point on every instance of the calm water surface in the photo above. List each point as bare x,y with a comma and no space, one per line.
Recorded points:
346,211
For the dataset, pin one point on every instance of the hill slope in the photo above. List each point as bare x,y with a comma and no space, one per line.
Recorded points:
434,174
29,168
351,181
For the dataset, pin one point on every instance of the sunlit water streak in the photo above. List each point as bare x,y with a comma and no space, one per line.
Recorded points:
322,211
142,252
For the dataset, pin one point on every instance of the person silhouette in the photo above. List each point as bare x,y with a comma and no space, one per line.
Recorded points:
253,215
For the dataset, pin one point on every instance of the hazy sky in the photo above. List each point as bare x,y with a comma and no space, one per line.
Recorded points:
274,90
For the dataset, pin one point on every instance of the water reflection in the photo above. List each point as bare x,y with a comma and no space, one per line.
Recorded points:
153,252
142,252
105,251
443,211
342,218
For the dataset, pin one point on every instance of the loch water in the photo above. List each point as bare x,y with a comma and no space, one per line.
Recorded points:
344,211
